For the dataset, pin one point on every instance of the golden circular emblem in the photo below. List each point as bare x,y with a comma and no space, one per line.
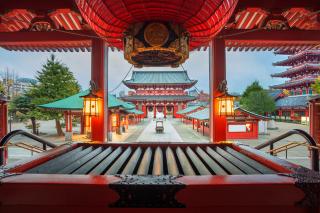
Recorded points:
156,34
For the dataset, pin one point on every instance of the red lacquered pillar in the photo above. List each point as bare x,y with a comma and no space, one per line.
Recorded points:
217,63
66,121
4,119
175,110
70,121
292,114
202,128
82,124
144,109
192,123
99,71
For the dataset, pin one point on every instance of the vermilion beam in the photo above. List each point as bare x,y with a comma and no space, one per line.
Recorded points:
273,36
7,38
40,5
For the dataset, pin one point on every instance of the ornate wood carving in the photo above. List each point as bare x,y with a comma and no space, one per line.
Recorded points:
156,44
147,192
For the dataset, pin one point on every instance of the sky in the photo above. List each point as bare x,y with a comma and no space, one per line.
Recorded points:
242,67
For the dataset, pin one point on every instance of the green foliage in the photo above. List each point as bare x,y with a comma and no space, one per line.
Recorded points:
1,88
55,81
254,87
23,108
257,100
316,86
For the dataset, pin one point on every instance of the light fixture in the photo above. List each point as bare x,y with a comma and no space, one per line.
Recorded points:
225,101
91,102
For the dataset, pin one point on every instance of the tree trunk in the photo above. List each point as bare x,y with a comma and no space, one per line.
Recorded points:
58,127
34,125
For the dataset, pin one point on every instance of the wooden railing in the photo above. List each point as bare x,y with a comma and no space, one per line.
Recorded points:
6,140
310,142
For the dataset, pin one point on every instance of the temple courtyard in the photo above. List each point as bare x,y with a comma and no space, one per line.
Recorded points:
174,131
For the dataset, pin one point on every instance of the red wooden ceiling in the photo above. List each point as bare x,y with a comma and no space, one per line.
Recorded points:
201,18
21,19
299,18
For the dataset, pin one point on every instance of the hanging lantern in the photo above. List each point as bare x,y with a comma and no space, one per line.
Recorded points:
225,101
156,33
91,104
226,105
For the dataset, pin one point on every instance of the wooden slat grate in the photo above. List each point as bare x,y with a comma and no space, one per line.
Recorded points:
152,160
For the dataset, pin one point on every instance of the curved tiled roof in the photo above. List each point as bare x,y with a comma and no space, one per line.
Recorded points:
75,102
188,109
297,82
159,77
252,114
290,59
298,69
293,101
274,94
201,114
134,111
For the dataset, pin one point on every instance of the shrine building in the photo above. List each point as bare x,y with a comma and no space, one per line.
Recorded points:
222,175
304,69
161,92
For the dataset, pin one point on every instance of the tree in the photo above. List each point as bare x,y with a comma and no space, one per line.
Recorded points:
1,88
254,87
55,81
24,109
257,100
316,86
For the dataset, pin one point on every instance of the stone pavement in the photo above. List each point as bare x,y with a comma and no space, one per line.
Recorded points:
132,133
187,133
169,135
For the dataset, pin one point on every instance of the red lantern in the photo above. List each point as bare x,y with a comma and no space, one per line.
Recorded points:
91,104
225,101
202,19
226,105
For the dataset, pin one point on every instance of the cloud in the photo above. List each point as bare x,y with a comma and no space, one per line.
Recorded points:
245,67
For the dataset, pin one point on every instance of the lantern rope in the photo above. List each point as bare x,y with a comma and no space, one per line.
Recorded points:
198,91
114,89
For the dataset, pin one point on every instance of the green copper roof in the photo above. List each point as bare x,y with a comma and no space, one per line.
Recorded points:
160,77
75,102
200,115
115,102
134,111
205,114
188,109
